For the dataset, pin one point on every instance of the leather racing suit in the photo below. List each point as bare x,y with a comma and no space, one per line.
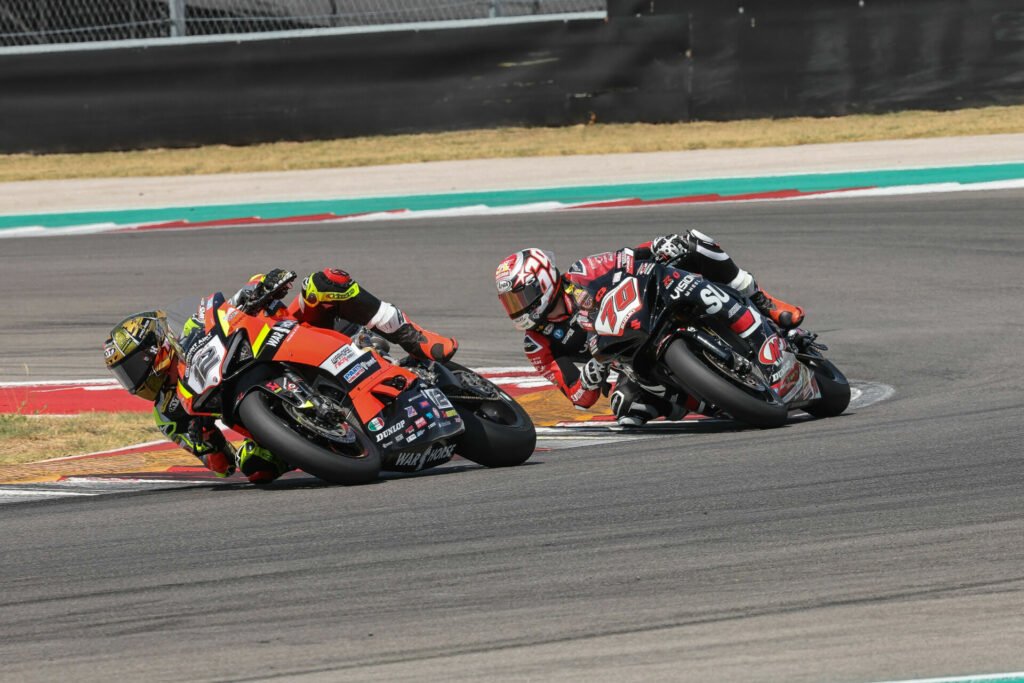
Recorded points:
554,348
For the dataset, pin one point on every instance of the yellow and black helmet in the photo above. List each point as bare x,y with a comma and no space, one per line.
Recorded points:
138,352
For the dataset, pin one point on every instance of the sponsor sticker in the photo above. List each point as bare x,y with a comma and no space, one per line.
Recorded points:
429,456
375,425
451,413
357,370
390,430
410,411
506,265
771,350
438,397
341,359
420,422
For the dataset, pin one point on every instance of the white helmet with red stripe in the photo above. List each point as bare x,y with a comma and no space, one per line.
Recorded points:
528,286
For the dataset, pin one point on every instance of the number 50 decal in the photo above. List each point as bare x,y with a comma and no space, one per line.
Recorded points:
618,307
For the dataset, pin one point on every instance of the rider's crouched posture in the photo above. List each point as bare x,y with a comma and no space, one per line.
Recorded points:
142,354
538,299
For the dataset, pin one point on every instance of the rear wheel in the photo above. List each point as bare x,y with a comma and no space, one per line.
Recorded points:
835,390
355,462
704,383
499,433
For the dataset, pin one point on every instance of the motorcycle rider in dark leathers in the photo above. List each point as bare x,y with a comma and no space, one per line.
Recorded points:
142,353
537,297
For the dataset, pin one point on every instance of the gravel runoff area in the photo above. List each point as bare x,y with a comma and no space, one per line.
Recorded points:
49,196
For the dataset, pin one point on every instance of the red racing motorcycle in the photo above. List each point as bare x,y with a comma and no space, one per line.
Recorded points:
337,406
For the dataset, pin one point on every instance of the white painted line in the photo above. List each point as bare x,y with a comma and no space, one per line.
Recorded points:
933,188
114,451
1014,676
61,382
131,480
4,491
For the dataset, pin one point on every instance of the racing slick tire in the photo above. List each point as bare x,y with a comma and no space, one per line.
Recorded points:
835,390
499,432
279,437
704,383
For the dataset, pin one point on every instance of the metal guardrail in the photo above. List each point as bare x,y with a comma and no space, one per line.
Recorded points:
54,22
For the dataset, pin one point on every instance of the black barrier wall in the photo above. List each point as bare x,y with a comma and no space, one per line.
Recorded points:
543,74
774,58
652,61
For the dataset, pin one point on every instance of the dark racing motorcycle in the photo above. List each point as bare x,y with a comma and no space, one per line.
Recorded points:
667,327
337,406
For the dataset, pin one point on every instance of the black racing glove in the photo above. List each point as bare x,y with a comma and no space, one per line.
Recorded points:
275,284
594,374
670,247
270,287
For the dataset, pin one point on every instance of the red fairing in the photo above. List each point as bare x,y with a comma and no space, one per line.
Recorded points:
538,350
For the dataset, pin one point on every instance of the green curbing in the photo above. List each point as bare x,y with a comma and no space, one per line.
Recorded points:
810,182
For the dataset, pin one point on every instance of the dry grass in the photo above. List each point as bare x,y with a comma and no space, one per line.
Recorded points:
27,438
513,142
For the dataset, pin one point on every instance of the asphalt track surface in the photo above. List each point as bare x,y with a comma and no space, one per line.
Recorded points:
884,544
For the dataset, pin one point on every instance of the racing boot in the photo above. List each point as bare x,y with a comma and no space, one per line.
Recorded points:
633,405
258,464
786,316
421,343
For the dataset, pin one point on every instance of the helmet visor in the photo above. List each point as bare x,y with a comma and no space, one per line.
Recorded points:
135,369
521,298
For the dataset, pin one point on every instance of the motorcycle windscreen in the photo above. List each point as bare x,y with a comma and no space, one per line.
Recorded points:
178,313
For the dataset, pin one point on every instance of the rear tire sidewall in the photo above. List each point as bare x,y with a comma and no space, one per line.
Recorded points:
279,437
704,383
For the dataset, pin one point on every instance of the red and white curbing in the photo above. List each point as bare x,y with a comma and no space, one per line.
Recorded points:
71,397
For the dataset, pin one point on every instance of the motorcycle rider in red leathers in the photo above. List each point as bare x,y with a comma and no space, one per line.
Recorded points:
536,296
141,353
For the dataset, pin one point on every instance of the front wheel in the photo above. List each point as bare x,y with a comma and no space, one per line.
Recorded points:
359,464
499,433
702,382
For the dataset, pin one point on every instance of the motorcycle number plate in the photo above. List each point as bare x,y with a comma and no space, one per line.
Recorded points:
205,369
617,307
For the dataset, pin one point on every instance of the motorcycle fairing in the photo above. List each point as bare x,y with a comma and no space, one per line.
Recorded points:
416,433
